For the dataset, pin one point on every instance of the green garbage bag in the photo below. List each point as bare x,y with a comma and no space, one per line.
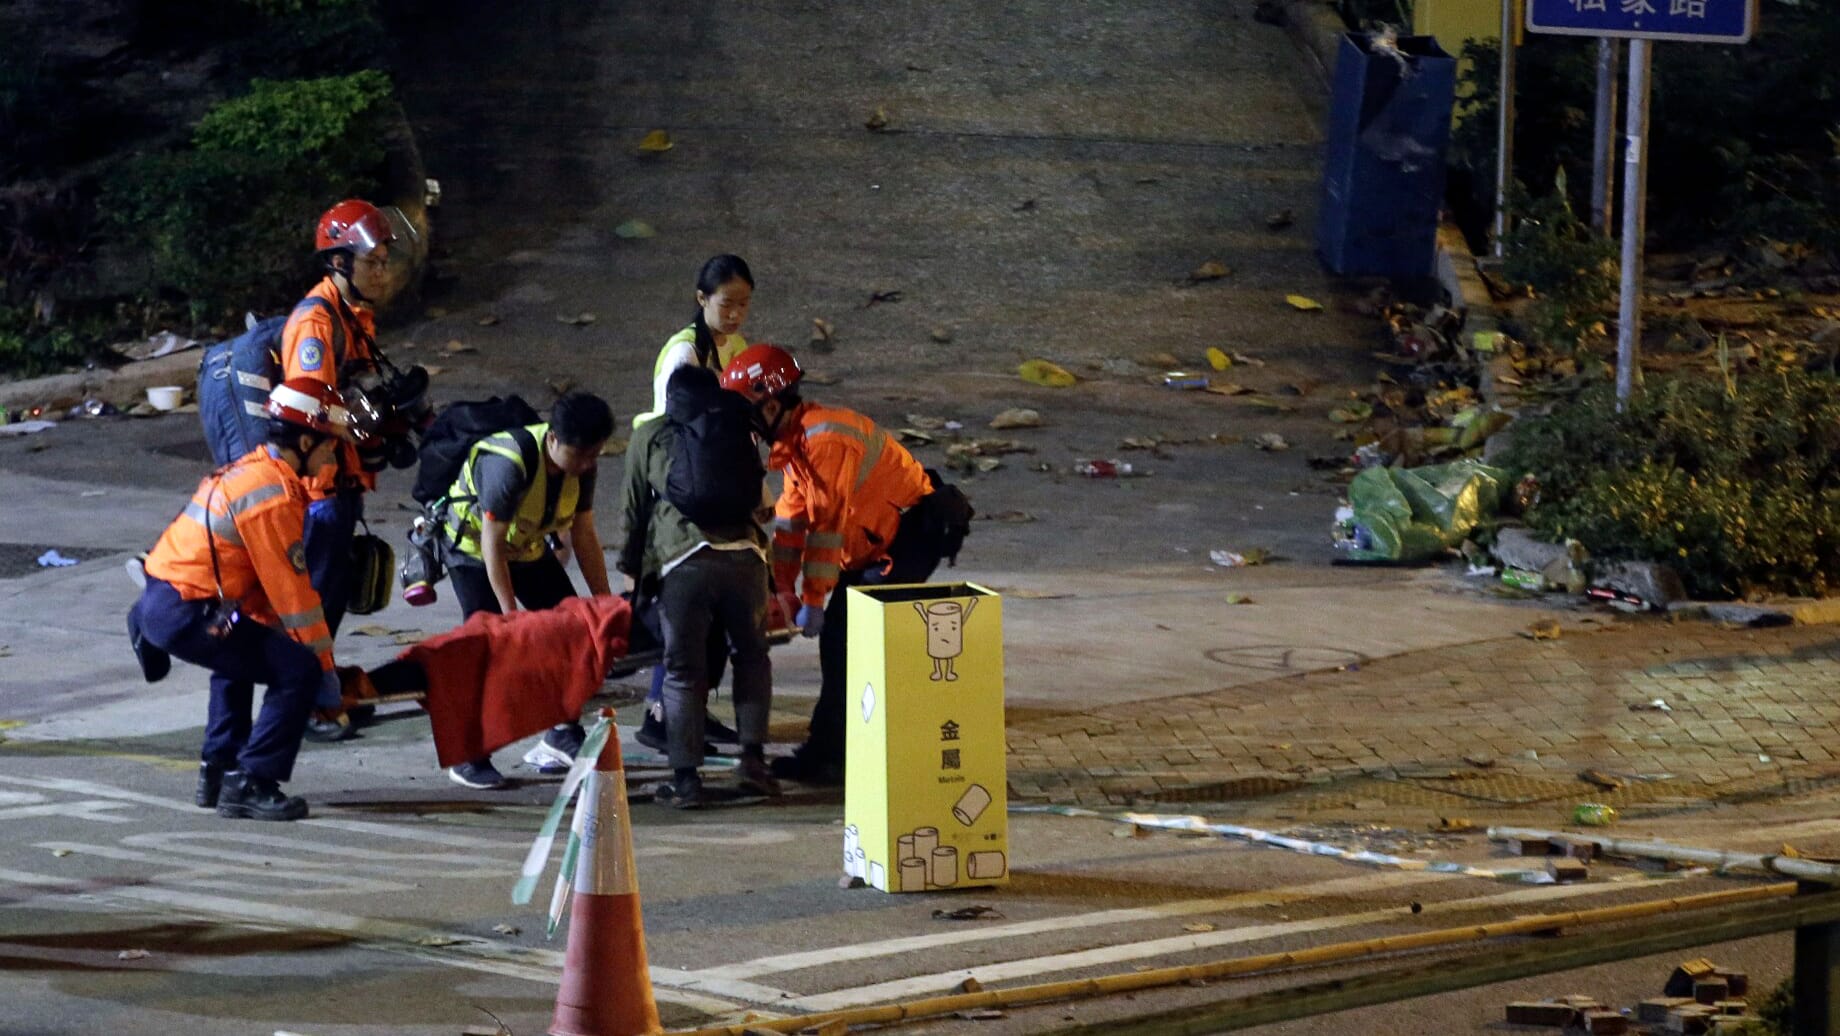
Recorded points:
1414,514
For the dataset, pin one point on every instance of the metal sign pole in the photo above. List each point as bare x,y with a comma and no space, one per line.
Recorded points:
1635,218
1603,148
1504,127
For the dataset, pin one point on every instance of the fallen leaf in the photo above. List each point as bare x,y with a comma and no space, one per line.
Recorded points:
456,347
1212,270
488,320
1452,825
1017,417
656,142
878,119
986,465
1008,517
438,940
485,1030
914,436
578,320
1545,629
882,296
982,1014
376,631
820,378
926,422
1227,388
1238,599
406,637
822,332
1159,361
1046,374
507,929
433,369
988,448
970,913
1252,361
1268,403
1026,205
969,985
61,853
1271,441
133,955
1218,359
1279,220
1601,779
1139,442
634,229
1303,302
1197,926
1352,413
941,334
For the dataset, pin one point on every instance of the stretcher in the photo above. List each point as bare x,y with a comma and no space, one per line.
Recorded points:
626,665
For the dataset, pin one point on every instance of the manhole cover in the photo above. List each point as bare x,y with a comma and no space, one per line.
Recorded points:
21,559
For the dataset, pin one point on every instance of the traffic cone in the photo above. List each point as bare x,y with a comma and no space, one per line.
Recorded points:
606,982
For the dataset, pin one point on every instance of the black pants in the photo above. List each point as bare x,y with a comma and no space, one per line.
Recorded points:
709,587
912,557
537,585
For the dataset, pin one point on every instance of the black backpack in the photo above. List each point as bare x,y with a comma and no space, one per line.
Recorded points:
715,472
450,438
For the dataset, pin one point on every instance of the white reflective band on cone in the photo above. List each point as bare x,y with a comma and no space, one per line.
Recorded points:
606,864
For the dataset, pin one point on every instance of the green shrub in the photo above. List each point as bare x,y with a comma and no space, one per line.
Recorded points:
1736,485
28,348
227,224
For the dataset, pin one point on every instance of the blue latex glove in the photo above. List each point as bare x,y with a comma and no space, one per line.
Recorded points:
330,695
811,620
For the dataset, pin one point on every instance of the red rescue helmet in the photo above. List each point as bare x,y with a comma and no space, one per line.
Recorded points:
760,372
311,404
355,226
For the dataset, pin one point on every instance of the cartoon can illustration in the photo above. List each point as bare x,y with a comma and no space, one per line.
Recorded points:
945,633
971,805
985,865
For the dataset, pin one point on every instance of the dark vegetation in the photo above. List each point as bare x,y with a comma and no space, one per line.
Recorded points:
161,164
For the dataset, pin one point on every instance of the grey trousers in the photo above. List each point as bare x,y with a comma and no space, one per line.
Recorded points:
730,585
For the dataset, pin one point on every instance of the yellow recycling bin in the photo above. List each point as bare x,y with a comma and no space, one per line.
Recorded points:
926,802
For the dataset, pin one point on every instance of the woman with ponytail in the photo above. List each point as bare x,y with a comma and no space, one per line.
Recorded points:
724,290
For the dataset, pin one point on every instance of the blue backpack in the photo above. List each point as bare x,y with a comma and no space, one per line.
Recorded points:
235,378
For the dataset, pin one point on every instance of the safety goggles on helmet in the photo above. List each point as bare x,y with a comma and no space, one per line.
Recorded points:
353,225
311,404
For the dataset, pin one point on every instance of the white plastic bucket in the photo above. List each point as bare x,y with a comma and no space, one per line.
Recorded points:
165,397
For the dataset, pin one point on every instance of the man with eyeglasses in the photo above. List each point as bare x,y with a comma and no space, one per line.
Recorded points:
331,337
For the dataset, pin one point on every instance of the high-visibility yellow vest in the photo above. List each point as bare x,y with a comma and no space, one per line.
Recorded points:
524,539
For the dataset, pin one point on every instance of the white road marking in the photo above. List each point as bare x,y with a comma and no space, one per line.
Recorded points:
939,982
269,881
85,809
100,791
532,964
1368,882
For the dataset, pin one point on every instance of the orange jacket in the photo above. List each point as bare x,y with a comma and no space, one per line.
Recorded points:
258,514
320,342
846,484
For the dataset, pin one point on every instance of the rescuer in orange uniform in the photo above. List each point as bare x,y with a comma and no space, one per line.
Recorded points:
856,509
227,589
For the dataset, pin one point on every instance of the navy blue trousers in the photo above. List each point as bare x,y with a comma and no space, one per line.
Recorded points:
263,744
331,525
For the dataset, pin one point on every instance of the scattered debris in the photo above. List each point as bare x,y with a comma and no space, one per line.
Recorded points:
1016,417
851,881
26,427
1218,359
439,940
1353,413
1212,270
1025,205
1601,779
1228,388
634,229
61,853
1238,599
1279,220
1198,926
1231,559
822,331
578,320
1100,468
1007,517
164,343
507,929
1451,825
1303,303
1184,380
656,142
1047,374
133,955
981,1014
941,334
1267,403
1271,442
893,295
878,119
969,985
1545,629
969,913
1593,814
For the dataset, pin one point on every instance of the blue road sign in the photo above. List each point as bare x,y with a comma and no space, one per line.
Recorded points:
1695,21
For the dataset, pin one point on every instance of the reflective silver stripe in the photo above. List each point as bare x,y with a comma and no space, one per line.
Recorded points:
255,381
254,409
301,620
789,524
871,454
825,541
821,570
258,495
837,429
318,645
221,526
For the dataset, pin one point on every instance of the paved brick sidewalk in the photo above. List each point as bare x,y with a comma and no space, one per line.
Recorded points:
1750,709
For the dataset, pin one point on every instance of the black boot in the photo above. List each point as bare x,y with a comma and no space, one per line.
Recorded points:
155,662
250,797
806,765
210,784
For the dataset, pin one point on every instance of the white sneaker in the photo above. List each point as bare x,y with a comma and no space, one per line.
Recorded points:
545,758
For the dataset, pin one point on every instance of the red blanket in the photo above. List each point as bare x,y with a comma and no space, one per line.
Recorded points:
498,678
